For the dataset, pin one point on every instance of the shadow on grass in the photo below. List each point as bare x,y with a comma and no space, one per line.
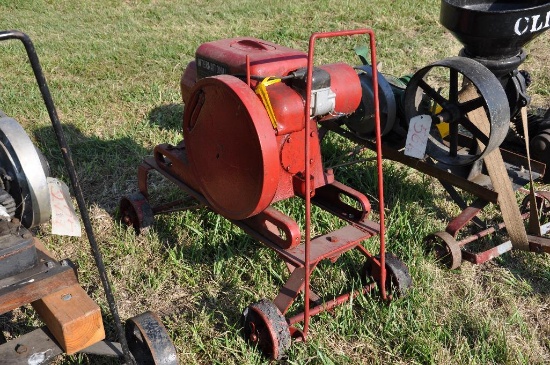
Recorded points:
104,167
168,116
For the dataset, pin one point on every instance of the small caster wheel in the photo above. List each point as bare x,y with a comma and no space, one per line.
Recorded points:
136,212
543,205
398,278
149,342
446,249
265,327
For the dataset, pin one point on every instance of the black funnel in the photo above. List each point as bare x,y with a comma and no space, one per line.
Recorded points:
495,29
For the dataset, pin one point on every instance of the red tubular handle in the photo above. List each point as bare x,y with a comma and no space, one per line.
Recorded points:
311,49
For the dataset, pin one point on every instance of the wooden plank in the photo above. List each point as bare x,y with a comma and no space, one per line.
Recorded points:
35,287
72,317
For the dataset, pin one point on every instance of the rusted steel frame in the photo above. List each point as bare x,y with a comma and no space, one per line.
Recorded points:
486,232
328,198
299,317
466,216
270,221
539,244
38,344
462,205
143,186
510,157
481,257
289,291
536,244
422,166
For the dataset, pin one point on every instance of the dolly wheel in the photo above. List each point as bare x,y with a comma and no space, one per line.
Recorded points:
446,249
398,278
265,327
149,342
543,205
136,212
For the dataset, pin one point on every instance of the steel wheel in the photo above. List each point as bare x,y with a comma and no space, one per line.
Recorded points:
543,205
149,342
265,327
439,89
136,212
24,174
446,249
398,278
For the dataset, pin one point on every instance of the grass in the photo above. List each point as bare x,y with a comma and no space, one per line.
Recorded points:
113,68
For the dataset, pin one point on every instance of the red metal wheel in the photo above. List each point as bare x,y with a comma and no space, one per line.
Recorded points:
136,212
265,327
446,249
543,205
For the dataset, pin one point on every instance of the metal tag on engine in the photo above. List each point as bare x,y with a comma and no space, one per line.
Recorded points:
64,219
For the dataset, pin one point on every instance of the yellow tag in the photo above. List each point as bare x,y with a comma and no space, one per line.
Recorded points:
261,90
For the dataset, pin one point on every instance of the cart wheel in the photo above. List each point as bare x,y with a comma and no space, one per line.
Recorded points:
136,212
398,278
149,342
543,205
446,249
265,327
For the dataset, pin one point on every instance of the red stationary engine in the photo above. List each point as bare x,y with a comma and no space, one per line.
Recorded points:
244,141
251,139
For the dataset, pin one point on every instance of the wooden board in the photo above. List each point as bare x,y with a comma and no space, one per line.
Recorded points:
72,317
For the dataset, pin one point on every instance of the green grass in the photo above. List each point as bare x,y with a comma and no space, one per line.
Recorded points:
113,68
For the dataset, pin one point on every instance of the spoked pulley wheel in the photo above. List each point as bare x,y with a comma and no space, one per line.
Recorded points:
453,92
149,341
266,327
446,249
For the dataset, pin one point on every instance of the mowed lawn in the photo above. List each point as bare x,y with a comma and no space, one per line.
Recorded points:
113,68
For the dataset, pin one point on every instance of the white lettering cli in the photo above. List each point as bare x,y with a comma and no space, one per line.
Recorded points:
532,24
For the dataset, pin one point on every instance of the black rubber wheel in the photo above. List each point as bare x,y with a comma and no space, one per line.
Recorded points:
149,342
136,212
446,249
398,278
265,327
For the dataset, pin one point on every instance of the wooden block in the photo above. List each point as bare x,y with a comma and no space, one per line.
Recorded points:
72,317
